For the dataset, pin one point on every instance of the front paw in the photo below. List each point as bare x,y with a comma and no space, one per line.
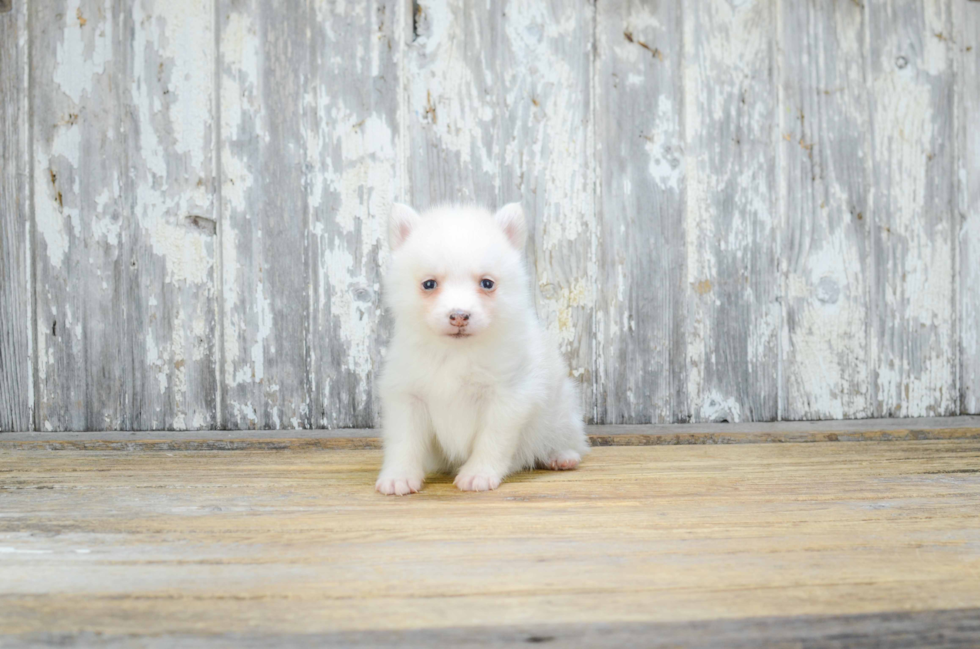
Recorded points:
477,481
397,486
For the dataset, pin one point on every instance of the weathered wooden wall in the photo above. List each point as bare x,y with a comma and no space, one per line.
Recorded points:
16,321
739,211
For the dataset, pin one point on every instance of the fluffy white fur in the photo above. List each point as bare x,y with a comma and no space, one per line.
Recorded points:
481,400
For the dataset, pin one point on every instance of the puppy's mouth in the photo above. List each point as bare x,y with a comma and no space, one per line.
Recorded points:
459,334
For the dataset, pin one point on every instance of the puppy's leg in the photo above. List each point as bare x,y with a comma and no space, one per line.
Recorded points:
494,447
407,446
568,442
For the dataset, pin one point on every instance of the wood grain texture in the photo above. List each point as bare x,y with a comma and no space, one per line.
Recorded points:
823,153
966,47
499,110
123,176
913,345
201,544
954,628
309,117
730,225
641,351
16,243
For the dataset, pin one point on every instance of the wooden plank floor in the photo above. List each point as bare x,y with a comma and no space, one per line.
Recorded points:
733,545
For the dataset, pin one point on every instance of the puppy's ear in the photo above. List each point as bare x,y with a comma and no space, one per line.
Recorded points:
401,222
511,219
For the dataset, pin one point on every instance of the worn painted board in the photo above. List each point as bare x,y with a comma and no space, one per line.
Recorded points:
109,545
966,48
450,108
912,301
309,104
352,149
641,367
731,228
544,64
265,214
498,110
824,186
737,212
123,176
16,316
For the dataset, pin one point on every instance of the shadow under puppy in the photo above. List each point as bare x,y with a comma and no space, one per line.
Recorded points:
471,385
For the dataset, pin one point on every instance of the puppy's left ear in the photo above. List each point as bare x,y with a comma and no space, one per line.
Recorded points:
511,219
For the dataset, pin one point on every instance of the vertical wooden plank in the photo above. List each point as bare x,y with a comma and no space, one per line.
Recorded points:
16,375
544,66
913,342
966,45
640,312
309,104
266,95
351,145
824,185
730,224
453,94
498,109
123,204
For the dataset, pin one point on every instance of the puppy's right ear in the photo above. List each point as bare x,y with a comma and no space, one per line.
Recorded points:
401,222
511,219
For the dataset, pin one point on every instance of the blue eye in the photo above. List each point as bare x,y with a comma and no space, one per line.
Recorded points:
429,284
487,284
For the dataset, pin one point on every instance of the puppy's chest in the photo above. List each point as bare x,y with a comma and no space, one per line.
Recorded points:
455,424
456,405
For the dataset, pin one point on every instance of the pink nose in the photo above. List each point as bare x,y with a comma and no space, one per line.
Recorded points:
459,319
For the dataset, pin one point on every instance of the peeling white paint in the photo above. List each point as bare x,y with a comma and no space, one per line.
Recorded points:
33,357
187,40
87,46
110,211
264,323
716,407
967,23
916,244
665,147
935,55
447,91
54,201
551,150
727,174
233,325
157,363
187,259
239,93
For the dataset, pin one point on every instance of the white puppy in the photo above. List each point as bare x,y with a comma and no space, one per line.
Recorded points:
471,384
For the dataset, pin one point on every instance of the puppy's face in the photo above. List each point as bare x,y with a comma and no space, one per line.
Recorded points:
457,272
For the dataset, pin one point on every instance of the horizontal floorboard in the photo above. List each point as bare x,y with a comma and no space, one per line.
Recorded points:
808,543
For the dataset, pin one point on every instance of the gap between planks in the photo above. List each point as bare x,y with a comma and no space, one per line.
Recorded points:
877,430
